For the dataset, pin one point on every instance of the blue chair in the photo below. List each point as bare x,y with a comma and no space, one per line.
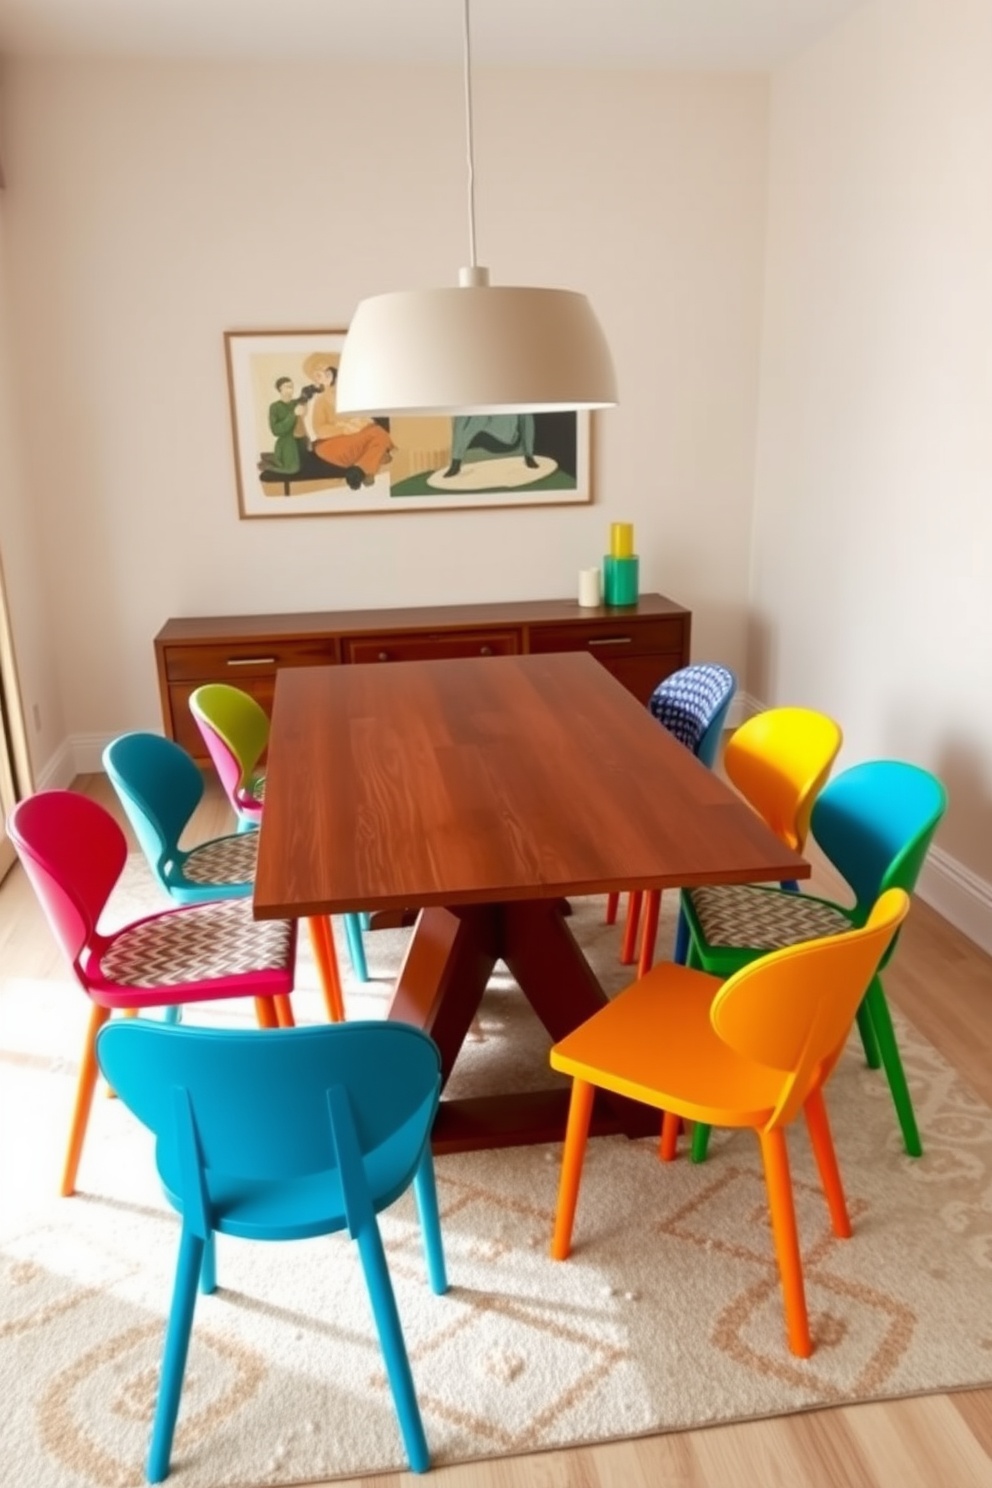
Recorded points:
284,1137
875,822
692,704
160,786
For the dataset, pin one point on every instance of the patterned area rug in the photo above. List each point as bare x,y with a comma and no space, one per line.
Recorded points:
667,1315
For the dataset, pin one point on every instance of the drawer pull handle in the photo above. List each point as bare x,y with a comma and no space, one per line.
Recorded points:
485,650
611,641
383,655
251,660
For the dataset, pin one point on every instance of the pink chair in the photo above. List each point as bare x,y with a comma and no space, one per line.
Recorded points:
73,852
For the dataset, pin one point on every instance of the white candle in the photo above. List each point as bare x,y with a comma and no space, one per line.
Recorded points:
589,591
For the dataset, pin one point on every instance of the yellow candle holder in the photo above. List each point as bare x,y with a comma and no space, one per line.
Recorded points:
621,539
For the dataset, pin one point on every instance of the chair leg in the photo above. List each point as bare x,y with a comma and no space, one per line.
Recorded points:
365,920
821,1141
85,1086
775,1156
284,1011
425,1193
700,1141
208,1266
266,1013
680,954
356,950
576,1133
391,1341
612,905
869,1042
649,934
322,944
177,1331
628,950
670,1124
881,1022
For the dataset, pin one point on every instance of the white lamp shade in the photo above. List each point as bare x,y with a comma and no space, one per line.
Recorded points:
475,350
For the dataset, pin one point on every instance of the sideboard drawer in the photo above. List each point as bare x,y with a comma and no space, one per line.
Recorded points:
238,660
611,639
437,646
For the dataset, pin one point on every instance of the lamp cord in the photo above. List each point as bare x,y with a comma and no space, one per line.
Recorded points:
468,137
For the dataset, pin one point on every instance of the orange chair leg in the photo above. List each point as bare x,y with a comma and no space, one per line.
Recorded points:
821,1141
628,951
670,1126
775,1156
612,905
322,943
576,1132
649,935
284,1012
265,1013
85,1086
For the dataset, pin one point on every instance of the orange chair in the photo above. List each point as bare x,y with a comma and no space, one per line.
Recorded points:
749,1052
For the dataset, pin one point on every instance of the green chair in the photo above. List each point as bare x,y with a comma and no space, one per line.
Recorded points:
875,823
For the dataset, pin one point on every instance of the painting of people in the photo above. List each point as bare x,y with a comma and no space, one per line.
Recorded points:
295,455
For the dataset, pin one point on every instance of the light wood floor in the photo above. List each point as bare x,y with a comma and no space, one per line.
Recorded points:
944,984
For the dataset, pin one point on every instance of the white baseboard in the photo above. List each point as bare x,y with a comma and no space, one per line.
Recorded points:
959,895
59,771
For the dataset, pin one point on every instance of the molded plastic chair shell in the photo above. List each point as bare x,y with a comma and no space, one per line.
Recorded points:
875,822
73,853
160,786
751,1052
779,761
283,1137
235,730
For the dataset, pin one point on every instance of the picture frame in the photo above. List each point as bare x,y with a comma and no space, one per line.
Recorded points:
294,457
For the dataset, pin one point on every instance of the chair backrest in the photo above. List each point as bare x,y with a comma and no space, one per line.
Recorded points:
875,822
792,1010
235,729
779,760
260,1100
73,851
159,786
692,705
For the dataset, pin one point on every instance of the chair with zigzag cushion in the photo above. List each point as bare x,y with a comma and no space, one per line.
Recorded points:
303,1134
160,786
875,822
73,852
692,705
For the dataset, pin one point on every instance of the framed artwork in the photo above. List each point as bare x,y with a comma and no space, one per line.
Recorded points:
295,457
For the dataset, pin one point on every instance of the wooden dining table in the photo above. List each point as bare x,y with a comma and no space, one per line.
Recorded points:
484,794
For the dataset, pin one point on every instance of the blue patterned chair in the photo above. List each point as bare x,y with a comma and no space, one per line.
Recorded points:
692,704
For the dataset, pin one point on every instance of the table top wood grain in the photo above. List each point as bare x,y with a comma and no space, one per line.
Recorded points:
487,780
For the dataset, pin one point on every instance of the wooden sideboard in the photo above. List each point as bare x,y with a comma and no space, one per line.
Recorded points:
640,644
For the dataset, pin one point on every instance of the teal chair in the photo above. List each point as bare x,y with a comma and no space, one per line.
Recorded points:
160,786
875,822
284,1137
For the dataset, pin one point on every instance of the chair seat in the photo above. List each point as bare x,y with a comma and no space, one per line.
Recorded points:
200,943
307,1205
226,860
655,1043
748,916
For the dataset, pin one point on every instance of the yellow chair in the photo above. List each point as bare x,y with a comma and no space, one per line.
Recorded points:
779,760
749,1052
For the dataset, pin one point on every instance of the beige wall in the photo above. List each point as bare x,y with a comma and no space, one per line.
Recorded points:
25,576
872,561
151,207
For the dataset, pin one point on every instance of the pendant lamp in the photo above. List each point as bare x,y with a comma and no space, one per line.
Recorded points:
477,348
